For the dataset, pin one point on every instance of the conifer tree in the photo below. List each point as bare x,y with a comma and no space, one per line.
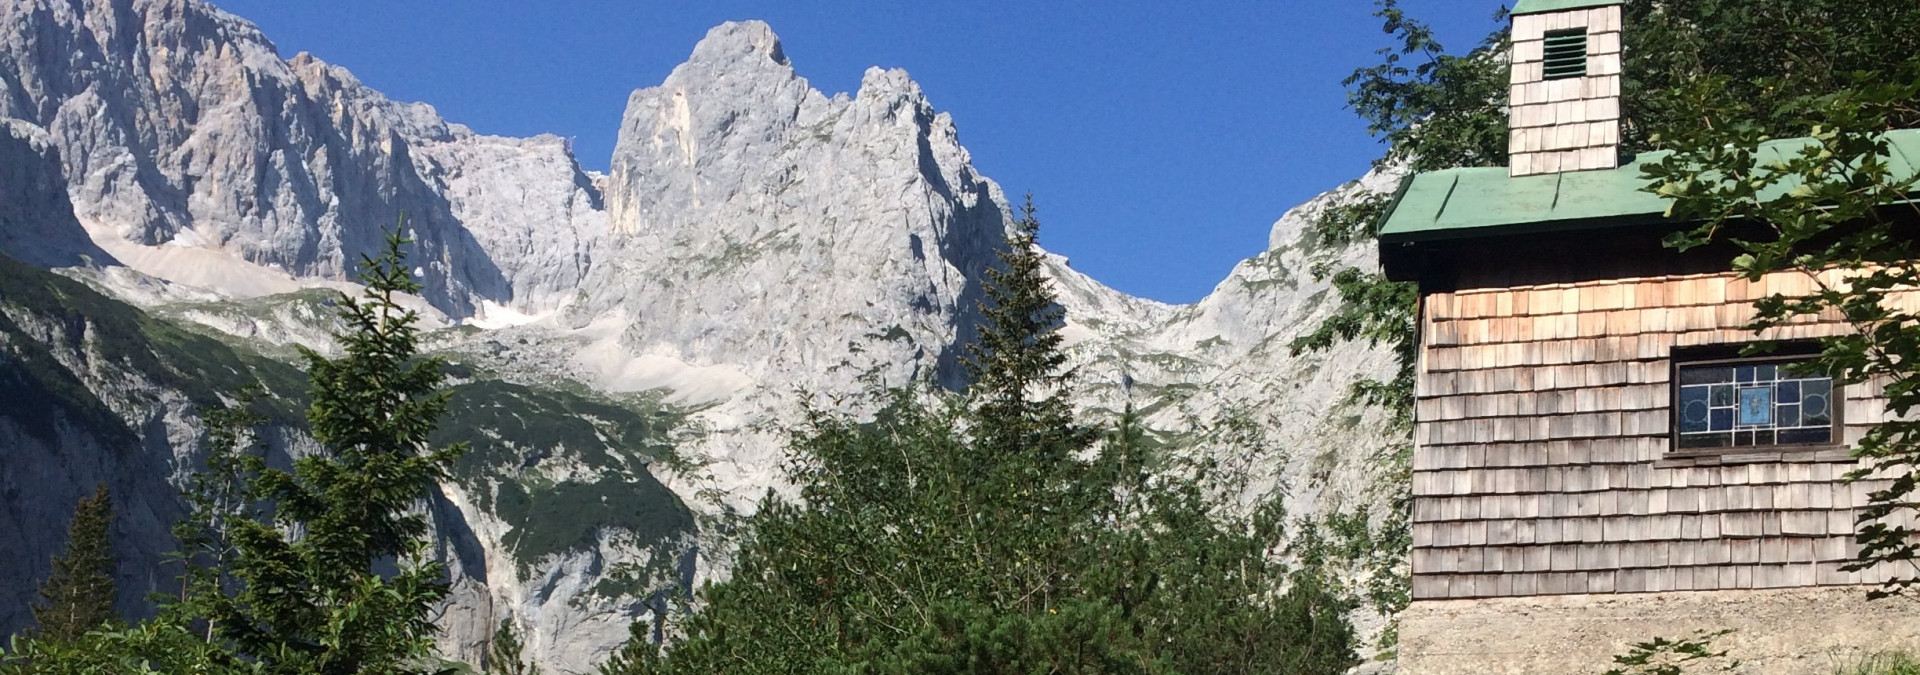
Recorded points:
79,594
1030,486
1017,365
318,570
993,533
503,653
301,591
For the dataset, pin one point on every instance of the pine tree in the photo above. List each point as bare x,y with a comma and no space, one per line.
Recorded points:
992,533
301,590
318,570
79,595
1017,365
503,653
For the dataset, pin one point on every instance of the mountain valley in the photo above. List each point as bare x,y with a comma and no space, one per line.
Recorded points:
627,349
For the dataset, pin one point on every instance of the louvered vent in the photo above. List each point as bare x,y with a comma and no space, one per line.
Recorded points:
1566,54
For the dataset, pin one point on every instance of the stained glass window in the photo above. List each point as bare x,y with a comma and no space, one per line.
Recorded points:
1733,405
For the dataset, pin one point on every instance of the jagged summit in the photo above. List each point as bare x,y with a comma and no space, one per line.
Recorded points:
743,203
753,237
744,41
193,153
894,84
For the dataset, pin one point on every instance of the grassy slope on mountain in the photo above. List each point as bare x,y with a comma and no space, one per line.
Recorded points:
108,336
512,427
521,435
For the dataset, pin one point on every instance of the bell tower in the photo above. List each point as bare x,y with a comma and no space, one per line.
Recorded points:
1565,98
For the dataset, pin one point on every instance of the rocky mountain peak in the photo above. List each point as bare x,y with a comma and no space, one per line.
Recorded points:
740,43
892,83
196,155
738,195
753,237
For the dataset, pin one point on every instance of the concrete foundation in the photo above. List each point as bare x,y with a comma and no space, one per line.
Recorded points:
1788,631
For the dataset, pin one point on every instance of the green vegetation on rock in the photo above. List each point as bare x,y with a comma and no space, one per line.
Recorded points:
38,391
991,533
319,569
515,432
569,515
1891,663
503,653
514,425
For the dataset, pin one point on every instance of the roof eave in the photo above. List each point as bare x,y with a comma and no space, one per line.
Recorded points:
1525,228
1524,7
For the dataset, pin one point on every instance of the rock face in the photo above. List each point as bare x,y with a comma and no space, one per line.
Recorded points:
754,238
742,204
790,239
92,395
37,225
178,124
1231,355
551,518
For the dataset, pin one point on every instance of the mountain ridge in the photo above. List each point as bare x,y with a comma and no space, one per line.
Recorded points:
753,237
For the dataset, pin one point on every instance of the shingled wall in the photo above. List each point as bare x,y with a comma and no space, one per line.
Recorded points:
1569,124
1543,460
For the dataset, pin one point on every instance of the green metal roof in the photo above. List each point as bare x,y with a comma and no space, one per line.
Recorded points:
1476,202
1539,6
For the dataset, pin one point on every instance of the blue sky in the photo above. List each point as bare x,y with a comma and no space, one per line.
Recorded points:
1160,142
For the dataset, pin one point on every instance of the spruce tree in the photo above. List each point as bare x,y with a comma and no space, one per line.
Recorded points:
303,590
318,570
79,594
503,653
993,533
1017,365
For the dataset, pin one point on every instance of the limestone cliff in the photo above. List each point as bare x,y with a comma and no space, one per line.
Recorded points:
179,125
755,241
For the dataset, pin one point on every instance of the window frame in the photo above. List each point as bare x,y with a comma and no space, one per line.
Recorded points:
1719,355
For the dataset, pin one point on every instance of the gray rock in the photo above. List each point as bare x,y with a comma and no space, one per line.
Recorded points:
37,225
178,124
754,221
754,238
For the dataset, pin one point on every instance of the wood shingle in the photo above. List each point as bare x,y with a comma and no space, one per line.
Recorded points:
1543,459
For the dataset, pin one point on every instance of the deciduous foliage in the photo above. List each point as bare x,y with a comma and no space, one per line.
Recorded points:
1763,55
1837,210
1433,109
1692,68
991,533
166,645
79,595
